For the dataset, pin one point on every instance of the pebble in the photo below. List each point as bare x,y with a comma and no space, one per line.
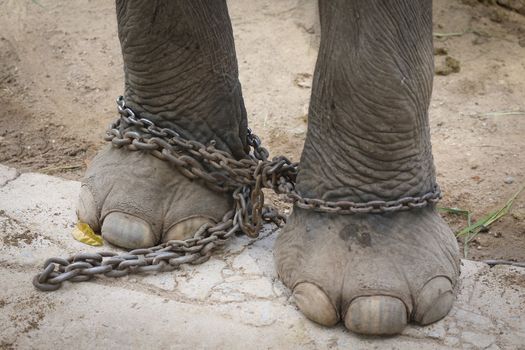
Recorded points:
508,180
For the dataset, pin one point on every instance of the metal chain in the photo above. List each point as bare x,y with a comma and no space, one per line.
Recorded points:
244,178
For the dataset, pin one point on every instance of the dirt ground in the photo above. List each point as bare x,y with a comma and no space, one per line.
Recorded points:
60,71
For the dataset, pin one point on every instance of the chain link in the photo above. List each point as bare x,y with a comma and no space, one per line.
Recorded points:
245,179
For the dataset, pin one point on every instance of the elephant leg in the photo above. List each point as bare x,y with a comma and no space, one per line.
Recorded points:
368,139
180,72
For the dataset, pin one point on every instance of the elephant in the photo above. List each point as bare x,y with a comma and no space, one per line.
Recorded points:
368,139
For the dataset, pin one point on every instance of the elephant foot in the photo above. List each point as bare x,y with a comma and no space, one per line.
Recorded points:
374,272
136,200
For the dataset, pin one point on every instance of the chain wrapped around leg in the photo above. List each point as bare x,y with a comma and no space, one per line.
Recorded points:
245,179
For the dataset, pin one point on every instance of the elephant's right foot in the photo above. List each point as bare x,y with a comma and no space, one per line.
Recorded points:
136,200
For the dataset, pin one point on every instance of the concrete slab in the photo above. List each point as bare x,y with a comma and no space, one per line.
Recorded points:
233,301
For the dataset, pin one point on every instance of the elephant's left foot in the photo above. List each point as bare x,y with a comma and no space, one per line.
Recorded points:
374,272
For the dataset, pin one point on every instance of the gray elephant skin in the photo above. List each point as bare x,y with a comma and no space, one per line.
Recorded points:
368,139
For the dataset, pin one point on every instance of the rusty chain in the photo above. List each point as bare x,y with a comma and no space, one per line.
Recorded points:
220,171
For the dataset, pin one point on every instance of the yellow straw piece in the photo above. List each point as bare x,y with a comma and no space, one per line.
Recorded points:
83,233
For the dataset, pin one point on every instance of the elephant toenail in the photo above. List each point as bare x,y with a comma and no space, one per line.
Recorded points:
127,231
376,315
186,228
315,304
434,301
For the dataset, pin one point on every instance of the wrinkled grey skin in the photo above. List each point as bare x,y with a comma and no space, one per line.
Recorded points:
368,138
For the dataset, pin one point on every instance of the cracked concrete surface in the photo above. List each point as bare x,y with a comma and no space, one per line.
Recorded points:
233,301
7,175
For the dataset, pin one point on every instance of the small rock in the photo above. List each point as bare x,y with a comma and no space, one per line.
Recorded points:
303,80
451,65
515,5
440,51
518,214
496,16
481,37
509,180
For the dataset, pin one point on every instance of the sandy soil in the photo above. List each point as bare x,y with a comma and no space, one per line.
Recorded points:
60,71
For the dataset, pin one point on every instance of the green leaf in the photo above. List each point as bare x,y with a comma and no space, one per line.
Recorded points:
491,218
